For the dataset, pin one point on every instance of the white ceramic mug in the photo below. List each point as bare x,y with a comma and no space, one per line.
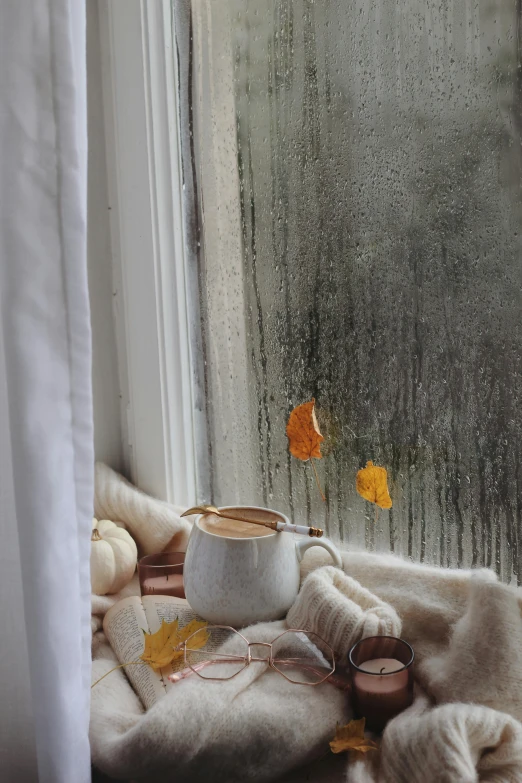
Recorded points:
238,581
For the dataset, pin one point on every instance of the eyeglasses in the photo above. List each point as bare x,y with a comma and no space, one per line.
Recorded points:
219,652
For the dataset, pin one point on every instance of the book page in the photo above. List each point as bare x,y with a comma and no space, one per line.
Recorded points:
163,607
123,625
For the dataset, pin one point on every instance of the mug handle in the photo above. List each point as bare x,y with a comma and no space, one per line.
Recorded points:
306,543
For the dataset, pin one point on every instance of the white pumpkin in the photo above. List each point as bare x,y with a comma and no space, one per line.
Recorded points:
113,557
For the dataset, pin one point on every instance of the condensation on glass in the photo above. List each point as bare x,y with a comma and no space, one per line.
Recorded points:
357,172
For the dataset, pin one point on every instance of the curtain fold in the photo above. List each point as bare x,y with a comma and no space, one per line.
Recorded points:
47,351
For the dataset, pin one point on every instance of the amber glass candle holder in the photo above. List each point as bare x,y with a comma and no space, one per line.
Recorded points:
382,679
162,574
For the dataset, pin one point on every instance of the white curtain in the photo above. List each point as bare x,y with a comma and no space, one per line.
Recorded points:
46,451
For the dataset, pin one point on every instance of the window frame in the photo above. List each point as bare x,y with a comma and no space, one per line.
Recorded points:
144,174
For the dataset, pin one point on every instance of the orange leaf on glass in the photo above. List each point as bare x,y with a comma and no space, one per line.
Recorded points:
305,437
372,484
303,432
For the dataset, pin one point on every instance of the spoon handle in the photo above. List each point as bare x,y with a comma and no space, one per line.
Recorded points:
218,513
265,523
280,527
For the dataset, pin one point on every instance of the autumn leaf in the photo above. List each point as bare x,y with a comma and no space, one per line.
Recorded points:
303,432
329,426
161,647
351,738
372,484
304,436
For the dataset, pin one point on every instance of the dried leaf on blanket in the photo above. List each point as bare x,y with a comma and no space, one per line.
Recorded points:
351,738
161,648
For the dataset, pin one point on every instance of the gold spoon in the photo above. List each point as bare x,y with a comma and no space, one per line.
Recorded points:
284,527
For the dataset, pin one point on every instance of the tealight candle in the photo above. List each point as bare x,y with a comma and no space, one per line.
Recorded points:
163,585
382,679
162,574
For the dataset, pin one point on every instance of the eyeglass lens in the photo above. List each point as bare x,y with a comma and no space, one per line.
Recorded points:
302,657
223,651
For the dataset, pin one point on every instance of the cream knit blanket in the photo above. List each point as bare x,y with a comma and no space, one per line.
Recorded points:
467,634
466,630
464,626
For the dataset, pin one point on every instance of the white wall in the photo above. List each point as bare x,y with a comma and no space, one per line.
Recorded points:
106,391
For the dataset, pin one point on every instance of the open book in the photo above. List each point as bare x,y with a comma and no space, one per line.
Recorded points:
124,625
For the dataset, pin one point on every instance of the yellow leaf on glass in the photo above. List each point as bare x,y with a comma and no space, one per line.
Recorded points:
303,432
163,647
372,484
351,738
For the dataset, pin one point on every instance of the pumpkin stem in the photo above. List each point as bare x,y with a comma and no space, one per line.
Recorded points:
95,535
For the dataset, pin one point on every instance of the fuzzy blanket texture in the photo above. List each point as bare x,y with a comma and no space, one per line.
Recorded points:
464,726
154,525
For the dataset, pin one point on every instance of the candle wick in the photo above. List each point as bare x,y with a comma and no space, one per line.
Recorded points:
383,668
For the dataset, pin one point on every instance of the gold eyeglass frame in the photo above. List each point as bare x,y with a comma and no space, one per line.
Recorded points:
249,658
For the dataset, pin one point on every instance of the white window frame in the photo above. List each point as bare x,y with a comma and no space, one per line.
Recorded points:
145,189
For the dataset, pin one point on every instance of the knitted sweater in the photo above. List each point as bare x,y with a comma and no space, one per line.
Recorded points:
339,610
154,525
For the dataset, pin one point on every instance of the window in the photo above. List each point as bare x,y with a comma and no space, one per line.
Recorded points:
356,173
348,179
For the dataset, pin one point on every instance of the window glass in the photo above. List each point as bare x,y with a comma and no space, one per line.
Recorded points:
357,173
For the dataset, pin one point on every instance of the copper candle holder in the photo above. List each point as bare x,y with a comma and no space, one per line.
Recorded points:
162,574
382,679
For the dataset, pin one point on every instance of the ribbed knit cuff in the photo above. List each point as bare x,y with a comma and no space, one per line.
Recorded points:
341,611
